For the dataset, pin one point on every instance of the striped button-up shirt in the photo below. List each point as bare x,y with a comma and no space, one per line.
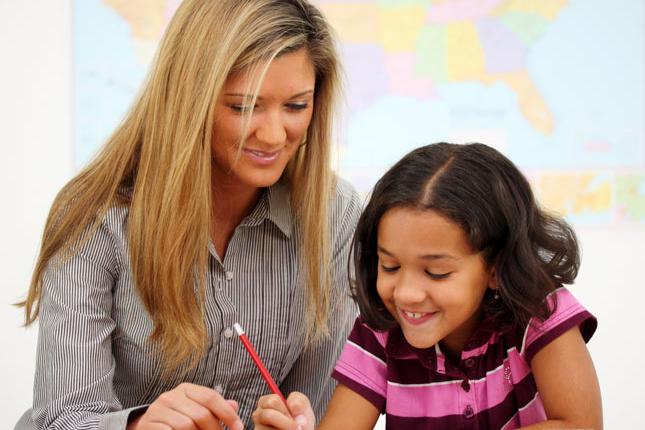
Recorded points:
95,364
491,387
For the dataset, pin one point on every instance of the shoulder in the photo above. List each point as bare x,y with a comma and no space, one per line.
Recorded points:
567,312
106,244
369,339
346,203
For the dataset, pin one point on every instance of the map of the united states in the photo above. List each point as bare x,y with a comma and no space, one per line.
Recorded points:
554,84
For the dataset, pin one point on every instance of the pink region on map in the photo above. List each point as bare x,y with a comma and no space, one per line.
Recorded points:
503,50
367,79
461,10
403,81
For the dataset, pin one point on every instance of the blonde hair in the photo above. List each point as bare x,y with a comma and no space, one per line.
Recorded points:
161,154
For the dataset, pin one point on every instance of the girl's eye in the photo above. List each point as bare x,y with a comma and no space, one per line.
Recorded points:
297,106
389,269
438,276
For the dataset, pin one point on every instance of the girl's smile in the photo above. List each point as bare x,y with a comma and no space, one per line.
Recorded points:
416,318
429,278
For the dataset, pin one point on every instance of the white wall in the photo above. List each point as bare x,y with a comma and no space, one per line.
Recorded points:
36,159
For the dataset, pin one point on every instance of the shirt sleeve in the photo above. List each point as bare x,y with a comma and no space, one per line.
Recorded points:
362,364
567,313
311,371
73,386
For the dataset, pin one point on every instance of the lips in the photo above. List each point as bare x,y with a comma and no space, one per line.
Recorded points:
262,157
416,317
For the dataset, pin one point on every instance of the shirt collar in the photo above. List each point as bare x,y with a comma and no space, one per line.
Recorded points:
274,205
433,358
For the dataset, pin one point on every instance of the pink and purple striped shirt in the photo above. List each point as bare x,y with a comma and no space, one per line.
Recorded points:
492,386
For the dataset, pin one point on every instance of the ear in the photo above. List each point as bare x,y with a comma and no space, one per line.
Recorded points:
492,280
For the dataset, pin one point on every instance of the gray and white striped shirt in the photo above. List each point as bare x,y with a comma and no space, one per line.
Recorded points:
94,364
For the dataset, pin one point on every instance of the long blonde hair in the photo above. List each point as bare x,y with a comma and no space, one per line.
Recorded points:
161,154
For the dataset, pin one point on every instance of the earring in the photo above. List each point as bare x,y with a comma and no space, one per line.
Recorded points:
496,295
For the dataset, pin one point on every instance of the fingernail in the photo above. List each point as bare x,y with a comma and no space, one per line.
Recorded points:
238,425
301,420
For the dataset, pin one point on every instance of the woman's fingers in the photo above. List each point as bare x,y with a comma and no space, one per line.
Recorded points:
189,407
198,414
219,407
234,405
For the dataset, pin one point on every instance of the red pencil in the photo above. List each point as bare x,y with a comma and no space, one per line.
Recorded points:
258,363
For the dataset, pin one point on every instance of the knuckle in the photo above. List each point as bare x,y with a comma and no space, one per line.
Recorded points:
273,401
165,398
203,416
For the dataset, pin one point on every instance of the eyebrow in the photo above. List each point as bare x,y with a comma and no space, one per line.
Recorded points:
424,257
250,96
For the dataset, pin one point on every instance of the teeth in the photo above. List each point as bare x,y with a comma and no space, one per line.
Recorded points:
414,315
262,154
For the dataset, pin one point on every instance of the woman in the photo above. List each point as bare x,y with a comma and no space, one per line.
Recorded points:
213,203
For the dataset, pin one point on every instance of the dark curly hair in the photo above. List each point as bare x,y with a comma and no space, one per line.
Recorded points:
481,190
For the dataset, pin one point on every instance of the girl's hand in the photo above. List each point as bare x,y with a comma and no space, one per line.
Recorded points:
189,407
271,413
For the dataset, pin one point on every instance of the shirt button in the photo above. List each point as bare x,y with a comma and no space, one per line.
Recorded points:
468,412
465,385
219,388
228,332
469,362
229,275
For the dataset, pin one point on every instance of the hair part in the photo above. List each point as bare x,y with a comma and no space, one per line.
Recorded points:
158,162
475,186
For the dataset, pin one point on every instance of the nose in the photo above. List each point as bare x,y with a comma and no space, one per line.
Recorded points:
408,290
271,129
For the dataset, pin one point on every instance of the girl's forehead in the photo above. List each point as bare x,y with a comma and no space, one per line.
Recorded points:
422,230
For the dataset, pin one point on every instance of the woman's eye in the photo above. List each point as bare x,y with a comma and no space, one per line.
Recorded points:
438,276
389,269
297,106
240,108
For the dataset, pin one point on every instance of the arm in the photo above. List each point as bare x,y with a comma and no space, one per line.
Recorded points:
75,367
346,406
567,383
74,383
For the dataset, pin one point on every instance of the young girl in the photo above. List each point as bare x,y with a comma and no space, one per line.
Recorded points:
464,320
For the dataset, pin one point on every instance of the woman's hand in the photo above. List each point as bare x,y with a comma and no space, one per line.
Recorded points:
271,413
189,407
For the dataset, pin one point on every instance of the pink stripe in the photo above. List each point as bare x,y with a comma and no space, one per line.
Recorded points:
533,412
438,399
530,414
567,306
482,349
362,367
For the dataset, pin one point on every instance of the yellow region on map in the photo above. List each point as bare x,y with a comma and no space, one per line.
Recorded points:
354,22
465,57
529,99
575,193
399,27
546,8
